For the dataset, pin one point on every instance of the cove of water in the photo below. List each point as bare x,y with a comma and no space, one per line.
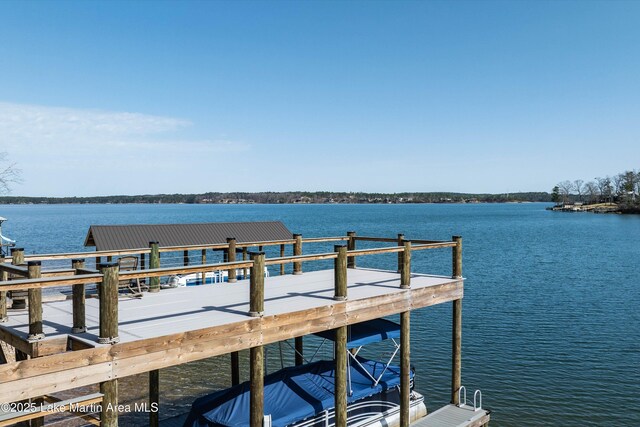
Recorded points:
551,312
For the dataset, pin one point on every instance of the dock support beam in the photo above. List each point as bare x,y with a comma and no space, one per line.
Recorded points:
4,276
456,338
109,414
340,294
108,293
282,254
256,285
341,377
351,246
154,398
297,251
299,345
400,243
231,241
203,261
340,273
405,367
18,297
79,316
404,259
35,304
154,262
235,368
256,390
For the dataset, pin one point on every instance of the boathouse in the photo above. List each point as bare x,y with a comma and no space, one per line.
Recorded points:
64,345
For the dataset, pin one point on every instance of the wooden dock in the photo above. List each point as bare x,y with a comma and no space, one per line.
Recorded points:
64,345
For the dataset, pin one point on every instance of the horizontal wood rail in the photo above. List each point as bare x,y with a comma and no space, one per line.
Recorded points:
168,271
14,269
141,251
299,258
49,282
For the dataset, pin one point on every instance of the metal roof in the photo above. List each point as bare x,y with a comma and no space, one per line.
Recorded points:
120,237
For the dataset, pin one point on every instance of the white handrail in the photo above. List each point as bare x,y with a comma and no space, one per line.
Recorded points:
462,390
478,393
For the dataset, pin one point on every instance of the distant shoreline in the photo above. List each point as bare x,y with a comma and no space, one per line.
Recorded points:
297,197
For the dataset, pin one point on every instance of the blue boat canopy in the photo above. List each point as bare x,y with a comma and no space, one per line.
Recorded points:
368,332
292,394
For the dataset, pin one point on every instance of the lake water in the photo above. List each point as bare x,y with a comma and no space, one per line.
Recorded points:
551,314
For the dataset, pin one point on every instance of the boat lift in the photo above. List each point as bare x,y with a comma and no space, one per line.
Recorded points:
9,243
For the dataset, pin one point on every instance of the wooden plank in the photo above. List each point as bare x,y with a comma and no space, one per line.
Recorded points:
49,346
58,272
48,282
15,269
54,382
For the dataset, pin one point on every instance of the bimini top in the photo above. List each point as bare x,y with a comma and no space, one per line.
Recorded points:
291,394
368,332
135,236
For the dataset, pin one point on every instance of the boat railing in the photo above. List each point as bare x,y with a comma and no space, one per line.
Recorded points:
356,413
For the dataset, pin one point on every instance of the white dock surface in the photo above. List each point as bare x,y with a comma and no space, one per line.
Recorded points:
185,309
454,416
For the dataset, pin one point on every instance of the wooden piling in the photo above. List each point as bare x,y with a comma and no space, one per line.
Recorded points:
256,391
405,367
340,395
108,293
154,398
231,241
235,368
4,276
256,285
109,414
340,273
299,346
203,261
282,254
35,303
297,251
185,258
244,258
405,268
340,294
79,316
456,338
400,243
154,262
18,298
351,246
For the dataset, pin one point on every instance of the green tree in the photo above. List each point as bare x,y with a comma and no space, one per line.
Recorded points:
555,194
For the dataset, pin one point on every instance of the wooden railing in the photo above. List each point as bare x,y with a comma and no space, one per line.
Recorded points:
15,277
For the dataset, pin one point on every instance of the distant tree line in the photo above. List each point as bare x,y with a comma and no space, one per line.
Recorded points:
623,189
289,197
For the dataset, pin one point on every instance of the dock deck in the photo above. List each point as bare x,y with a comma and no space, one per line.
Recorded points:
454,416
178,310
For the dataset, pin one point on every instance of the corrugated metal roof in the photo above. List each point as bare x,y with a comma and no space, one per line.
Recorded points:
119,237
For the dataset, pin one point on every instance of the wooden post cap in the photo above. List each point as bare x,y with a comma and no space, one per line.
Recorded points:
33,263
16,250
77,260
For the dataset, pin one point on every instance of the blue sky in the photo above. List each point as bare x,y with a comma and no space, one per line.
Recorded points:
143,97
